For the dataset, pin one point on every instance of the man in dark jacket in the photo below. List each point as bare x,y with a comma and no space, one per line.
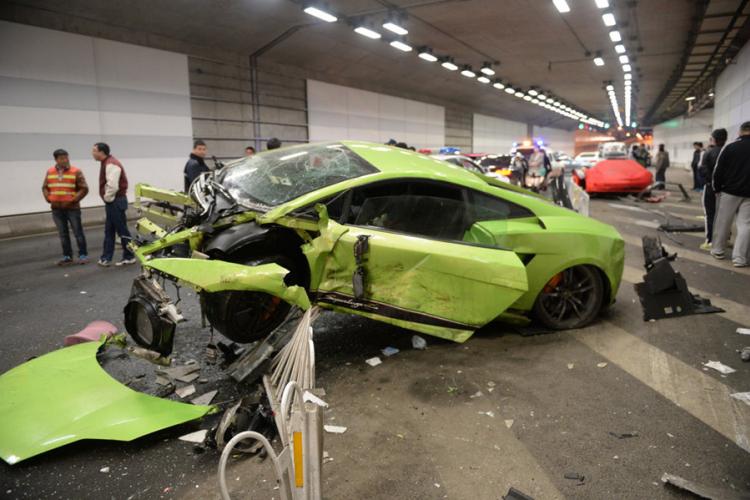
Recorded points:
196,165
731,182
706,171
697,153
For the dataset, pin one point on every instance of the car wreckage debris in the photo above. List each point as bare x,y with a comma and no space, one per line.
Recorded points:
703,491
514,494
664,292
624,435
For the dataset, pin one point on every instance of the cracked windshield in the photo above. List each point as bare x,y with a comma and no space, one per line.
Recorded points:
274,178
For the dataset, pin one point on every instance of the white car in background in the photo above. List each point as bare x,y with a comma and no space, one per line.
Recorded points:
587,159
470,165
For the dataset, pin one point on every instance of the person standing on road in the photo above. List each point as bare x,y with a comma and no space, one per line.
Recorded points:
64,187
661,164
695,164
196,165
731,182
113,188
706,171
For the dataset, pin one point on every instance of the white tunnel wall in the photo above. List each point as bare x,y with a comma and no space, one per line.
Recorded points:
732,95
62,90
679,134
496,135
556,139
336,112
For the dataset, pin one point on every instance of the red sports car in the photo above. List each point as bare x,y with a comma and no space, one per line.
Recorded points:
614,175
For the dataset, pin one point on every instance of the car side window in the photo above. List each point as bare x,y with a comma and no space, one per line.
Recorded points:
485,207
425,209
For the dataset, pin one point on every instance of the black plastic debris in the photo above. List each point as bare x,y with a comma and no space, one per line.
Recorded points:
664,292
575,476
624,435
682,227
514,494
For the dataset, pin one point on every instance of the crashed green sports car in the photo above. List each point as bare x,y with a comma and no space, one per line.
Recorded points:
366,229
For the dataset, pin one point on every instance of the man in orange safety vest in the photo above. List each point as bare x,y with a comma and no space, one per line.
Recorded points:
64,187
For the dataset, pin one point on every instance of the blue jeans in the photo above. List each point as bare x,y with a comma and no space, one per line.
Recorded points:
116,223
62,218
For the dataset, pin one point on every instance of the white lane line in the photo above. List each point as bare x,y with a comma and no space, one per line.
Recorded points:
626,207
648,223
734,311
699,394
702,258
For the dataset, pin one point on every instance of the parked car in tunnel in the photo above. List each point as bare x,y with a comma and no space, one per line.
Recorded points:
372,230
615,172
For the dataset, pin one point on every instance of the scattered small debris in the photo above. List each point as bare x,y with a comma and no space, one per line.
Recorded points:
575,476
437,485
601,365
509,423
743,331
204,399
104,470
188,378
616,457
418,342
624,435
490,414
719,367
326,457
702,490
196,437
309,397
491,384
745,354
186,391
161,380
570,366
389,351
741,396
84,292
477,394
373,361
514,494
180,371
334,429
670,435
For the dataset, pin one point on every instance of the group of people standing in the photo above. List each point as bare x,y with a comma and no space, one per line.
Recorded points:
65,186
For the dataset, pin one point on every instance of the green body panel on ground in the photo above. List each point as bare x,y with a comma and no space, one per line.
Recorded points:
65,396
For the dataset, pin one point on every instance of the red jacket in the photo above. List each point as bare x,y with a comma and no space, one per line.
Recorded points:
117,176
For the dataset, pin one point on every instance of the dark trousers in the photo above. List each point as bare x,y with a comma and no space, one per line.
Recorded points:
661,175
698,182
62,218
709,208
116,224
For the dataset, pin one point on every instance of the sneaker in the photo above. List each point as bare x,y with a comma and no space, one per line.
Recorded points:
706,245
740,264
65,261
104,263
718,256
83,259
126,262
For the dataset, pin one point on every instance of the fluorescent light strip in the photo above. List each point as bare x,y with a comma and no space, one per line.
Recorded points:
427,56
620,48
602,4
396,44
562,6
395,28
320,14
599,61
483,79
367,32
449,65
609,19
615,36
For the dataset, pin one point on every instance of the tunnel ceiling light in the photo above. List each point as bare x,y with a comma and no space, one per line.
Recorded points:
550,99
510,90
609,19
527,98
610,88
427,55
626,68
620,48
367,32
519,94
599,61
467,72
562,6
483,79
487,69
634,125
397,44
449,64
602,4
691,98
533,92
624,59
395,28
321,14
628,76
499,85
615,36
541,96
535,101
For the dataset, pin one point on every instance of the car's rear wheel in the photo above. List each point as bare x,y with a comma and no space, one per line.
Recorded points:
570,299
245,317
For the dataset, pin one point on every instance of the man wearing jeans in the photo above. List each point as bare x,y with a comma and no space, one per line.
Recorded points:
731,183
64,187
113,188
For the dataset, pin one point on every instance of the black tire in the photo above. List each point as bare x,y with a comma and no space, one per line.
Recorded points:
245,317
571,299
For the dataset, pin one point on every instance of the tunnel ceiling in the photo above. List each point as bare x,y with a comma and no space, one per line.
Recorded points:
534,44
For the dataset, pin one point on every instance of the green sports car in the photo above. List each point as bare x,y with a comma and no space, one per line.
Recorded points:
367,229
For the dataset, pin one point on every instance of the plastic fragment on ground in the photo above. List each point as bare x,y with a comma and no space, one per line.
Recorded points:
373,361
624,435
741,396
514,494
490,414
601,365
509,423
571,366
309,397
195,437
334,429
204,399
389,351
743,331
104,470
91,333
477,394
719,367
702,490
188,378
186,391
418,342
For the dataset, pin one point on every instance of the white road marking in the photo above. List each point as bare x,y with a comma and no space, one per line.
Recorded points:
699,394
647,223
626,207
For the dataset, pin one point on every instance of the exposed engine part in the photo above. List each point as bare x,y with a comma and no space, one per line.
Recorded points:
151,316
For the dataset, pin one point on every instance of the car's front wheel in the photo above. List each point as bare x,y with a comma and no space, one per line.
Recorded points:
570,299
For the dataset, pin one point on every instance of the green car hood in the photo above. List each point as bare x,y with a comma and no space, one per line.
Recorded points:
66,396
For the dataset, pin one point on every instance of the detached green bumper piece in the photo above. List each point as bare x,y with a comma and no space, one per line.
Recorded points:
65,396
219,275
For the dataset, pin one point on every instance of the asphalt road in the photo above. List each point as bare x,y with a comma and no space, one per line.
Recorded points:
453,421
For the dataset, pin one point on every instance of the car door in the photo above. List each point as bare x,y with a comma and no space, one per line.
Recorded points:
399,258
